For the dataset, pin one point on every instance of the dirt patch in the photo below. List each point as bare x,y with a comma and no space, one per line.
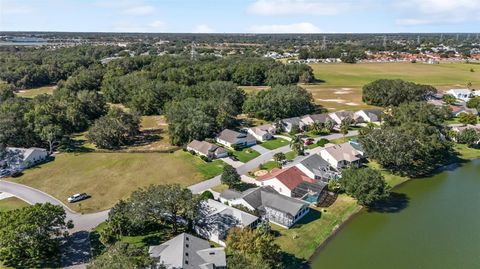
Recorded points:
260,173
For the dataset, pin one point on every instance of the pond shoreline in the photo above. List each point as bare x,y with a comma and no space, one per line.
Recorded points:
357,211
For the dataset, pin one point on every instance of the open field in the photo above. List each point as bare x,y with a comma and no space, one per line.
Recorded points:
11,203
108,177
342,86
31,93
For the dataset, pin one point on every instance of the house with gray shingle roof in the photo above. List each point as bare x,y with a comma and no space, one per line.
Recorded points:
341,155
308,120
276,208
263,132
186,251
368,115
233,139
287,124
314,166
207,149
217,219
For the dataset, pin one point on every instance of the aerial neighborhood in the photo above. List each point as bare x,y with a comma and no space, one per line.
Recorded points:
216,151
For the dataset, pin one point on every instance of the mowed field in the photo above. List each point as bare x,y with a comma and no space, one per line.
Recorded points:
31,93
109,177
11,203
342,83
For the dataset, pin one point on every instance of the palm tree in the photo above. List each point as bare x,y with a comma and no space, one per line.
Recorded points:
329,125
345,125
296,144
279,158
316,128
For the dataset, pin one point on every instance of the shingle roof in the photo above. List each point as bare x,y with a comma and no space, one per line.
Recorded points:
316,164
290,177
176,252
342,152
206,147
231,136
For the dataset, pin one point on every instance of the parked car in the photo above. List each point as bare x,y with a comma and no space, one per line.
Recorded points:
77,197
233,157
308,141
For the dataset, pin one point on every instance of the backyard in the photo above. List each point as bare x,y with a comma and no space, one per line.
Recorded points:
108,177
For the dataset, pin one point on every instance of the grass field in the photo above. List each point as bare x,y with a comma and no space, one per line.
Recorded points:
274,143
30,93
342,84
108,177
11,203
245,154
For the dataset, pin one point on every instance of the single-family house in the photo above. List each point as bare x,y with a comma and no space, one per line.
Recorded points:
340,156
339,116
308,120
461,94
186,251
457,110
217,219
357,146
276,208
315,167
263,132
28,157
287,124
284,181
233,139
368,115
461,127
207,149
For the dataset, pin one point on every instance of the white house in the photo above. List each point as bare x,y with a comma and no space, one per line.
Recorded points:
188,251
284,181
263,132
288,124
278,209
461,94
217,219
340,156
315,167
207,149
29,156
368,115
231,139
339,116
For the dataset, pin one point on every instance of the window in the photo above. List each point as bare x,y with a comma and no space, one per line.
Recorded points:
212,253
186,245
186,262
186,254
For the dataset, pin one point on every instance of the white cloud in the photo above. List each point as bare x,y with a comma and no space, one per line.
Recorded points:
301,7
303,27
203,28
157,24
13,8
417,12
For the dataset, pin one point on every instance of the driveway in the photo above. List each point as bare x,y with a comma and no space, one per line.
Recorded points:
260,149
231,162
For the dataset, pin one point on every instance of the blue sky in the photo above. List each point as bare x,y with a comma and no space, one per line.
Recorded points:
241,16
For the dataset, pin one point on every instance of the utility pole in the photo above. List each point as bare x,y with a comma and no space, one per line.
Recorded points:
193,52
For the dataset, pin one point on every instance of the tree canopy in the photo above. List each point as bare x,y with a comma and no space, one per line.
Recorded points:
123,256
279,102
387,92
364,184
27,235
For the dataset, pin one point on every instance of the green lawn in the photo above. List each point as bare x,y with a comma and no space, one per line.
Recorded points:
108,177
11,203
31,93
274,143
220,188
290,155
305,236
270,165
245,155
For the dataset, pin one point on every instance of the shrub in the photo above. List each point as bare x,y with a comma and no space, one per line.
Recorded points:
322,142
207,195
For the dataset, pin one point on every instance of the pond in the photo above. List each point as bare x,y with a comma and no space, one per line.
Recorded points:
437,226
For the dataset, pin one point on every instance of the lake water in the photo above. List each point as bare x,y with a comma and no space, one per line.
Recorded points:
438,228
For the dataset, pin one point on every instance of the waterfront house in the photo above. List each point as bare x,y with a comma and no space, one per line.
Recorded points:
217,219
186,251
315,167
263,132
342,155
233,139
284,181
276,208
209,150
